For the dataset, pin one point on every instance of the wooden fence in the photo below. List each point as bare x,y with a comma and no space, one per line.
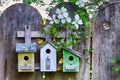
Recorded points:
105,42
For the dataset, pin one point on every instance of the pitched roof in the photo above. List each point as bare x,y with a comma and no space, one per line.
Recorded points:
42,45
74,52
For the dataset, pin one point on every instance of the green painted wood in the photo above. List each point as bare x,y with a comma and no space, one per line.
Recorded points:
70,62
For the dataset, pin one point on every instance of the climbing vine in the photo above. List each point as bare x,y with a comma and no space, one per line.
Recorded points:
78,25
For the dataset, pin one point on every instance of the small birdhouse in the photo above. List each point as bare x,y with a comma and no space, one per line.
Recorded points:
71,60
26,62
26,52
26,56
48,57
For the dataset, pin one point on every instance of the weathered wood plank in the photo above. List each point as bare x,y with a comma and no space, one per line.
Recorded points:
34,34
27,34
37,34
106,43
12,20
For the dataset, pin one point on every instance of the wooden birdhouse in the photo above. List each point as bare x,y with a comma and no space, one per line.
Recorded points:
26,62
26,52
48,57
71,60
26,56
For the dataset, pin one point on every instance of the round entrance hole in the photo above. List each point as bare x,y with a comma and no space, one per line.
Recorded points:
71,58
48,51
26,58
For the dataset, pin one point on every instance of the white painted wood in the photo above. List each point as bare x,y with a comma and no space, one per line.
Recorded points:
70,67
28,67
52,56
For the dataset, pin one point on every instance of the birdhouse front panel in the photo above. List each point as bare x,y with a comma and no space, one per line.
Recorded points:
26,47
70,62
26,62
48,58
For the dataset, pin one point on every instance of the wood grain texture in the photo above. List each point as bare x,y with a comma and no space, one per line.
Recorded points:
12,20
106,43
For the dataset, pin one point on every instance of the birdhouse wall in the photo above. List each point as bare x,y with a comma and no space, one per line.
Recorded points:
48,58
71,62
26,62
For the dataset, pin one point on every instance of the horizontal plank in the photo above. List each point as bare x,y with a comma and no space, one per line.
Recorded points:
37,66
36,34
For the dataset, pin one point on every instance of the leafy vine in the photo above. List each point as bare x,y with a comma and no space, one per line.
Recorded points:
77,26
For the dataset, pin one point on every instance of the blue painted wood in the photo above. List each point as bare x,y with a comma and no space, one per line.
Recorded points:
26,47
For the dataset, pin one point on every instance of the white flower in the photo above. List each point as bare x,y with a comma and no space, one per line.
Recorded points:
77,21
53,19
86,0
63,15
80,3
65,18
61,11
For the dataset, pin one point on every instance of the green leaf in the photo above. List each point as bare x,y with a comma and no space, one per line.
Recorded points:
62,40
60,1
73,1
43,30
27,1
116,68
88,24
68,26
113,61
34,1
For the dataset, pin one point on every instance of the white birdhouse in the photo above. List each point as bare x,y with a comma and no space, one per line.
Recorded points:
48,57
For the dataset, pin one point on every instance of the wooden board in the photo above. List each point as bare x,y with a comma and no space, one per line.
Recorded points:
12,20
106,43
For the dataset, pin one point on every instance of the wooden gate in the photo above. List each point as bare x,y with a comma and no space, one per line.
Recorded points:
106,43
14,19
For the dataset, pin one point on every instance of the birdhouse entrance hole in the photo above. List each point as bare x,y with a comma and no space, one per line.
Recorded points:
71,58
48,51
26,58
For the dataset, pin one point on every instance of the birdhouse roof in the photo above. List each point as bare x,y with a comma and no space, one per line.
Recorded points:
74,52
42,45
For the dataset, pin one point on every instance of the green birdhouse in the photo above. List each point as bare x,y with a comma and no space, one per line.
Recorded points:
71,60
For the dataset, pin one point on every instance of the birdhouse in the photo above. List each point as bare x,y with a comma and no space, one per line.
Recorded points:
48,57
26,54
71,60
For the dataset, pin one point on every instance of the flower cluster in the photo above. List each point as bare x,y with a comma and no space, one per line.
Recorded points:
61,16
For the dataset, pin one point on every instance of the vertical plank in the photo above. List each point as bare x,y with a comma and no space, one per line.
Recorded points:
106,43
12,20
27,34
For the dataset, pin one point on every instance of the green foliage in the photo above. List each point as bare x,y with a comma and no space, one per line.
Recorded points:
85,9
116,67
